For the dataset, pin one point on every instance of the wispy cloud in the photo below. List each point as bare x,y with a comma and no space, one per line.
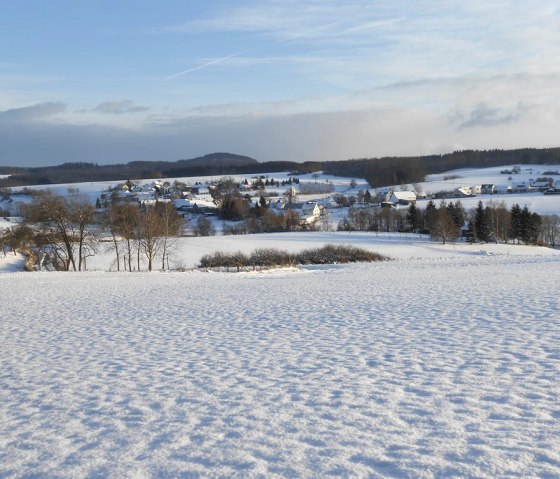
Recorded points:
33,112
120,107
258,46
484,115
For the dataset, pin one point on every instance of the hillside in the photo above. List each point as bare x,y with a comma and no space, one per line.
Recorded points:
376,171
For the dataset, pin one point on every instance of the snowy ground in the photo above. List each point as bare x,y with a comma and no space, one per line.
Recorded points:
186,252
442,363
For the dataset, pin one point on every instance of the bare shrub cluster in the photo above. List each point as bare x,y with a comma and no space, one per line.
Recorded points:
271,258
330,254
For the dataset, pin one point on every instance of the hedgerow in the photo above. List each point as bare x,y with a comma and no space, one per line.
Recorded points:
271,258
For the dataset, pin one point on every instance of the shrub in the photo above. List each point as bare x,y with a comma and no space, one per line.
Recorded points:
329,254
204,227
223,260
238,229
270,258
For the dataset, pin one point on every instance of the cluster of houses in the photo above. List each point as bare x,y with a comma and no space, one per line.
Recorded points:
197,199
501,189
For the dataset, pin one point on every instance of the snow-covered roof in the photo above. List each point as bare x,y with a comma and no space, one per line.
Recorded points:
404,195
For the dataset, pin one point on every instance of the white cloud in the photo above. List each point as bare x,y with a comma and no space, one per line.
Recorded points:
120,107
32,112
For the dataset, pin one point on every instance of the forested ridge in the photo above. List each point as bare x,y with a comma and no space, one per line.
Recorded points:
377,171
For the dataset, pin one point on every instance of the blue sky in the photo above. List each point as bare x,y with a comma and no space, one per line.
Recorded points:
117,81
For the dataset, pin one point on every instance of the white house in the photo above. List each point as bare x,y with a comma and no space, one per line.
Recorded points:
403,198
519,187
539,185
308,212
462,191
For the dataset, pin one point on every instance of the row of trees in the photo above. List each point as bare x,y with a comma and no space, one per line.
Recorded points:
61,232
448,221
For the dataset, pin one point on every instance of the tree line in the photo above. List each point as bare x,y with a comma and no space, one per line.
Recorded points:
376,171
447,221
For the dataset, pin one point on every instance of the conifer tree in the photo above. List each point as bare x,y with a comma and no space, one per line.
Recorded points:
471,237
413,217
516,223
430,215
482,228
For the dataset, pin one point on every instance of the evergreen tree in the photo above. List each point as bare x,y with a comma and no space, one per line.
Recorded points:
430,215
481,224
515,223
413,217
525,222
458,213
488,214
471,237
529,226
536,223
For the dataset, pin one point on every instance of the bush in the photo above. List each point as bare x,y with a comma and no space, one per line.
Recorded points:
222,260
330,254
239,229
270,258
204,227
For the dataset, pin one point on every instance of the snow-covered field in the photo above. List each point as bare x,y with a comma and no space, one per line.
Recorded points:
442,363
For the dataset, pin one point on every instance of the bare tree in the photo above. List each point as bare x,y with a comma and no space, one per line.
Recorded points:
172,225
64,224
204,227
151,229
550,230
443,226
109,223
126,220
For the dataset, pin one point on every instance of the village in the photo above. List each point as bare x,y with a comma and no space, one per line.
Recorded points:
311,197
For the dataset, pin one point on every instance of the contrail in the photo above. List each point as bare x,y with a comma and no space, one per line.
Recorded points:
212,62
241,52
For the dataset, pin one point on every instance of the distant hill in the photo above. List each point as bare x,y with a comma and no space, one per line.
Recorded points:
214,159
376,171
211,164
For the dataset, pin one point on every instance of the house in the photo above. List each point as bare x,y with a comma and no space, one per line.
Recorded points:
554,189
502,189
462,192
194,206
329,203
519,187
539,186
400,198
487,189
309,212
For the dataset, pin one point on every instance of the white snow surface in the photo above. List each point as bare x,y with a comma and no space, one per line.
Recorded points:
433,366
187,252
